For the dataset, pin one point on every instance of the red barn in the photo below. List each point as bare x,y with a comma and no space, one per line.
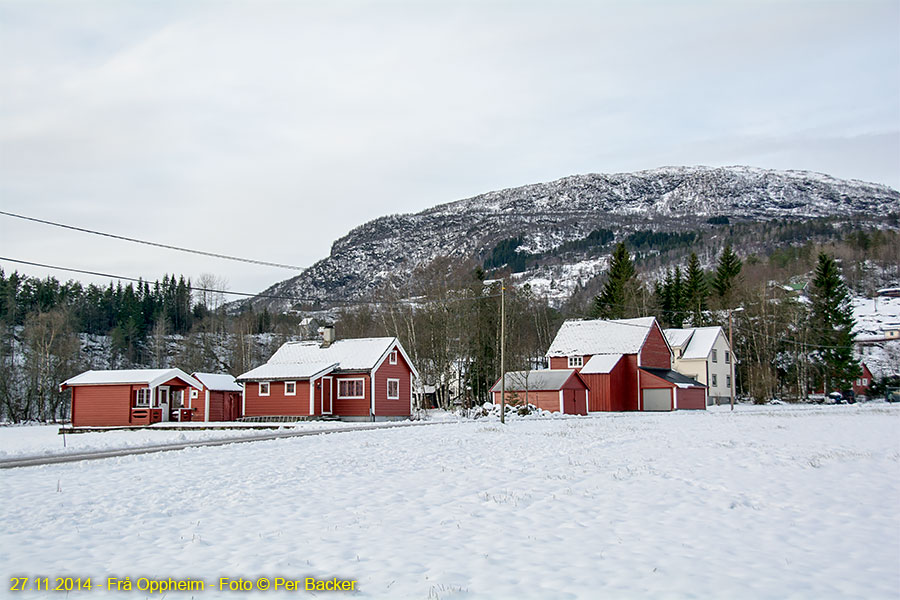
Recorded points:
219,398
557,391
355,379
130,397
626,364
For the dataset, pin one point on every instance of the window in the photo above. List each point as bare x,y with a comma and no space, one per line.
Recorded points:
263,388
715,380
393,389
290,388
392,357
728,381
576,362
142,397
351,388
715,355
727,357
178,399
194,394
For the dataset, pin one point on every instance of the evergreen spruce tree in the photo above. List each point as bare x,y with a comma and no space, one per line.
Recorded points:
619,294
696,292
832,322
728,269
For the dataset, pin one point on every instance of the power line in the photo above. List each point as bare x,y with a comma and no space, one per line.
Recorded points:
155,244
297,299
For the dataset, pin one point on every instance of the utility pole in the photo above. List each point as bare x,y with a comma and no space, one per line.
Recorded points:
731,349
502,352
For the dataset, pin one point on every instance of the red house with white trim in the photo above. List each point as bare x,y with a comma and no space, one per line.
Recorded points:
556,391
218,399
130,397
862,383
626,364
367,379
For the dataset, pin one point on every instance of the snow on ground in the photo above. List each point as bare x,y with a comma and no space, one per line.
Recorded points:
762,502
41,440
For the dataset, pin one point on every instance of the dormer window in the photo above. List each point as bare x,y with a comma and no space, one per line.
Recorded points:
576,362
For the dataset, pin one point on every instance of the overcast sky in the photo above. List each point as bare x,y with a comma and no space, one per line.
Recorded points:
270,129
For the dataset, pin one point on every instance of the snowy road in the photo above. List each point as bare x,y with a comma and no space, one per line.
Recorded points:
39,460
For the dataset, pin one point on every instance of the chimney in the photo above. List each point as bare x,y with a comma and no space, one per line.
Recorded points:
327,335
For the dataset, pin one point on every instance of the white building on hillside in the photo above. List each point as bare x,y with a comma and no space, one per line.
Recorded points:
704,354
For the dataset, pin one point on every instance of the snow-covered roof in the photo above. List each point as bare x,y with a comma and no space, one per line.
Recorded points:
536,380
352,354
288,371
678,337
581,337
601,364
700,341
217,382
150,377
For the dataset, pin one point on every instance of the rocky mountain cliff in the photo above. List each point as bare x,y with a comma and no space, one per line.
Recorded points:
546,218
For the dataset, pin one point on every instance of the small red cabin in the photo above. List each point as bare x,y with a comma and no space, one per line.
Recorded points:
130,397
625,363
863,382
355,379
557,391
218,399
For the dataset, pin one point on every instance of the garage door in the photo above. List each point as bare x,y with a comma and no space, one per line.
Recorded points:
657,399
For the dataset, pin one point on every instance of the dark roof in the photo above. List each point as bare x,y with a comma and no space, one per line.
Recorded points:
673,376
536,380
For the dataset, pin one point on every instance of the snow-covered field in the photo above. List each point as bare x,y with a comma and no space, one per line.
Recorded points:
765,502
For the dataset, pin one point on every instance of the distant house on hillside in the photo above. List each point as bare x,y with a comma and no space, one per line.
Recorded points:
356,379
704,354
862,384
627,365
562,390
218,399
130,397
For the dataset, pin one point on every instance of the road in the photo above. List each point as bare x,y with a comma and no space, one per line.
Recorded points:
36,461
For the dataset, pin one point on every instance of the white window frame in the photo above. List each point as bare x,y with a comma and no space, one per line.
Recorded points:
715,355
392,357
576,362
715,380
267,387
292,383
195,393
362,387
142,393
397,395
728,381
727,357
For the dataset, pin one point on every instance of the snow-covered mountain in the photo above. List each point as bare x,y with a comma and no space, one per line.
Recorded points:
547,215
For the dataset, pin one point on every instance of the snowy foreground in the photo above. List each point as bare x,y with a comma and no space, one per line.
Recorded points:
774,502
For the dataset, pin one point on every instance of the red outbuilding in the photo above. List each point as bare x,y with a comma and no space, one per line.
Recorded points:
130,397
626,364
355,379
557,391
219,398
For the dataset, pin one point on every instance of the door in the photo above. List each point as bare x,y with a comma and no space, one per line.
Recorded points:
163,396
326,395
569,402
656,399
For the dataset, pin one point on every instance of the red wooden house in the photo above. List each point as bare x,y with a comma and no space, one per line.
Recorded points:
557,391
626,364
218,399
130,397
355,379
863,382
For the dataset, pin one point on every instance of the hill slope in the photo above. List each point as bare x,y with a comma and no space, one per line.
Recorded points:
543,217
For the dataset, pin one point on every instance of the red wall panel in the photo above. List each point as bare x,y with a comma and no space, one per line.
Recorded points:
276,403
393,408
655,352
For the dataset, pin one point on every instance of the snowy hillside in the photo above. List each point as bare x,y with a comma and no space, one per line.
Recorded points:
548,215
873,318
765,502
